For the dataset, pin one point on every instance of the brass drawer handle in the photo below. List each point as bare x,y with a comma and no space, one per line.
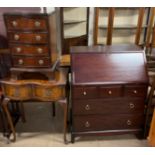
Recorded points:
14,23
37,23
128,122
39,50
20,61
87,107
135,92
84,93
131,105
18,49
47,92
16,93
109,92
41,62
16,37
38,38
87,124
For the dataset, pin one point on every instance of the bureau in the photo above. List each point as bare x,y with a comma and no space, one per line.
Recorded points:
32,41
108,92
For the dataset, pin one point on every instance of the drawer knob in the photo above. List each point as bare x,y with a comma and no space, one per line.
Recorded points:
37,23
87,107
128,122
135,92
41,62
109,92
16,37
18,49
14,23
20,61
48,93
38,38
84,93
87,124
40,50
132,105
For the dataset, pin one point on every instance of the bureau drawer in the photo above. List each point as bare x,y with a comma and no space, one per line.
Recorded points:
111,91
107,122
85,92
25,23
21,61
29,49
103,106
33,38
135,91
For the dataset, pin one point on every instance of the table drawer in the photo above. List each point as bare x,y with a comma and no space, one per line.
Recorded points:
21,61
135,91
85,92
26,23
103,106
107,122
47,93
29,49
110,91
33,38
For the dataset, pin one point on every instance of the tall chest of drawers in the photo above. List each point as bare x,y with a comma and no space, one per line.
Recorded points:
32,40
108,93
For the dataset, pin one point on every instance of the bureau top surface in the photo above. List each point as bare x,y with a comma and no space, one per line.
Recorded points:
108,68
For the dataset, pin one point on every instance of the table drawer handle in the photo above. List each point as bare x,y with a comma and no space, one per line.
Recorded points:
38,38
20,61
18,49
128,122
87,107
14,23
37,23
41,62
84,93
87,124
131,105
135,92
39,50
16,37
109,92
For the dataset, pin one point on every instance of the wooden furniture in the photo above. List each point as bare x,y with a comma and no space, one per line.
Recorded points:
120,25
108,92
74,27
42,90
32,42
151,137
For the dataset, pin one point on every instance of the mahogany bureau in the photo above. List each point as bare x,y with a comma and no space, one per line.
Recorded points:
108,92
32,42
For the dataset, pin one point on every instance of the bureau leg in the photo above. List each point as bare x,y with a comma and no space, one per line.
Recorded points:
53,109
22,112
72,138
5,107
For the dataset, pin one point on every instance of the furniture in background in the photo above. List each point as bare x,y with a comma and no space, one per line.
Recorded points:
120,25
74,27
117,80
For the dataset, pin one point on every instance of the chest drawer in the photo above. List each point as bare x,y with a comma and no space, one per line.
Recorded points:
85,92
21,61
107,122
24,23
110,91
103,106
33,38
29,49
135,91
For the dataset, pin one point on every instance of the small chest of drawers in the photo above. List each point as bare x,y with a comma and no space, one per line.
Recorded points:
108,93
32,39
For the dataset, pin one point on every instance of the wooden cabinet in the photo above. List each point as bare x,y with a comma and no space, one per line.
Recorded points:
121,25
108,91
74,27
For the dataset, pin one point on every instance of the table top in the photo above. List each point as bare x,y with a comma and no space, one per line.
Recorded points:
108,68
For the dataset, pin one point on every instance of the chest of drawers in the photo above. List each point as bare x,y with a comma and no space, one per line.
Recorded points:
32,39
108,92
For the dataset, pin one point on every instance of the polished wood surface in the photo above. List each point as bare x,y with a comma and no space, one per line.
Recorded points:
102,82
65,60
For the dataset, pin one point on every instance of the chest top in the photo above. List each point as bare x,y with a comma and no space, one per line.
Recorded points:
108,68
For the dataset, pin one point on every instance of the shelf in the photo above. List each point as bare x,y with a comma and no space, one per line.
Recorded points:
73,21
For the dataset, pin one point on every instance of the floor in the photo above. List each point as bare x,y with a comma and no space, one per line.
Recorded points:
41,129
